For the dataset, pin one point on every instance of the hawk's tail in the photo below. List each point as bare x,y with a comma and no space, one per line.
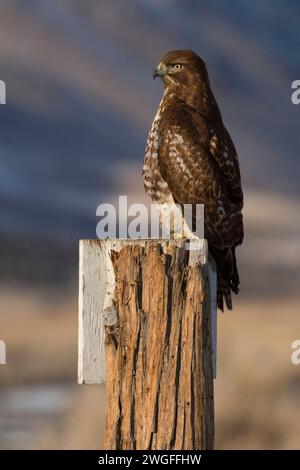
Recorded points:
227,275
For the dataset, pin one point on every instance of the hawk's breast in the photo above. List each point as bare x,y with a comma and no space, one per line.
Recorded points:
155,185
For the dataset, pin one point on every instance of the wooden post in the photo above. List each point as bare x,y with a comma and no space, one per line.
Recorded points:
2,353
150,302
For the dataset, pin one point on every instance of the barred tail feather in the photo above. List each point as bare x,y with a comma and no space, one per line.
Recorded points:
223,293
227,275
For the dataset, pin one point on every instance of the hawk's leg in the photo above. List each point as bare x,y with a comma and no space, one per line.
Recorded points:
187,232
172,222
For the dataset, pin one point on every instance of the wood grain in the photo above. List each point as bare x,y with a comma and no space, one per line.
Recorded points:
158,353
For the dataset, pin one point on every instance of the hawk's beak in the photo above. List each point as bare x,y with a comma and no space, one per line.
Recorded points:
159,71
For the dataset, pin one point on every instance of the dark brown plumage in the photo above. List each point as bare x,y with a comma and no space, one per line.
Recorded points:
191,159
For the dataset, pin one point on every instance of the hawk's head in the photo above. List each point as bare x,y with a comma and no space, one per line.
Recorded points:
182,67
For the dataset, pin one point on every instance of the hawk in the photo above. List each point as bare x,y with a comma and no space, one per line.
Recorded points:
191,159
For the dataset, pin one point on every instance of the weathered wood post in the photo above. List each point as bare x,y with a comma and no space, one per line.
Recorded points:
150,305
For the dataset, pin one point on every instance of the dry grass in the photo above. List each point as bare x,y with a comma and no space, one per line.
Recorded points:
257,390
41,337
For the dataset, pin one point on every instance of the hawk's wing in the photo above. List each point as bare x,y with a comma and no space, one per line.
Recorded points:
198,171
223,151
195,140
220,146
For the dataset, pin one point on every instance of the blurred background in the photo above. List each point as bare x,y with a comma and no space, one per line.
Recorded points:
80,101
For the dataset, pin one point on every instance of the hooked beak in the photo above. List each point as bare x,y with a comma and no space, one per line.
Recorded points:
159,71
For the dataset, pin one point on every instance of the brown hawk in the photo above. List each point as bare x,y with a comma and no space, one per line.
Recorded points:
191,159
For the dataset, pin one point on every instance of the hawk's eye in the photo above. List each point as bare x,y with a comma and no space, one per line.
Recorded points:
177,66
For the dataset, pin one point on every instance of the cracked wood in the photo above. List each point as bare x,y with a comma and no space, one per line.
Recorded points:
158,353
